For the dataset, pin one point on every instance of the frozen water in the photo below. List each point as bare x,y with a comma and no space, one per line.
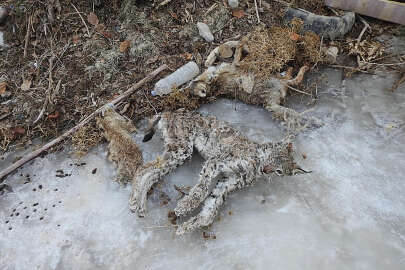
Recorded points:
349,213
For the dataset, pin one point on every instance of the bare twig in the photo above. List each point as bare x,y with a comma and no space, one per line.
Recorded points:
299,91
165,2
84,22
147,99
352,68
68,133
257,12
48,92
162,227
27,36
387,64
398,82
366,25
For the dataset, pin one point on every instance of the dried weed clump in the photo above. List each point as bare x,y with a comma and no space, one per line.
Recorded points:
309,48
181,99
316,6
6,137
86,138
269,50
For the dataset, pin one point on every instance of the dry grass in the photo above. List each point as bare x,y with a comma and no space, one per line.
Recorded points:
269,50
86,138
309,48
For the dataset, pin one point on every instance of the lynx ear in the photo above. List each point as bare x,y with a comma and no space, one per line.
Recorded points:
151,130
298,170
148,136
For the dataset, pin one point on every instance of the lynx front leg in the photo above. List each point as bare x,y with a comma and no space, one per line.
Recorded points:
211,170
174,156
211,205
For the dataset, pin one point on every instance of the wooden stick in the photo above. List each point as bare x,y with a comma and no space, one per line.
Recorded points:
67,134
257,12
366,25
84,22
27,36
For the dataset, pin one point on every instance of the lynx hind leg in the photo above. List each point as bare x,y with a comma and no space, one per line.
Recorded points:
210,170
175,155
211,205
294,120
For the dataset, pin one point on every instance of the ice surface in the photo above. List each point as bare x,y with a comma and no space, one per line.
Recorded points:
348,214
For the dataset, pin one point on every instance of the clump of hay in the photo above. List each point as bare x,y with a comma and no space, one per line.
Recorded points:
308,43
181,99
269,50
315,6
6,137
309,48
86,138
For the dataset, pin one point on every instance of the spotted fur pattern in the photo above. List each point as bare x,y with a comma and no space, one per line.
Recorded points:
230,158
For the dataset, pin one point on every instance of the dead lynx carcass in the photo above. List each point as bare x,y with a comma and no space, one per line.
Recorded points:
229,156
228,79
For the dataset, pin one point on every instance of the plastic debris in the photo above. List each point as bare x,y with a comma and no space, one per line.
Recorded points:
179,77
328,27
205,32
392,11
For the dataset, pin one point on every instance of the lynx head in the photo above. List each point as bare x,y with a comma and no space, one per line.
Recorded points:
278,159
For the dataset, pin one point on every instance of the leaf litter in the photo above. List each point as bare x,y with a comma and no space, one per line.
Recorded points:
128,39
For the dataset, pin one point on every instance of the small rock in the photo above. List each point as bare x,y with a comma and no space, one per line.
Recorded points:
233,3
205,32
330,53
